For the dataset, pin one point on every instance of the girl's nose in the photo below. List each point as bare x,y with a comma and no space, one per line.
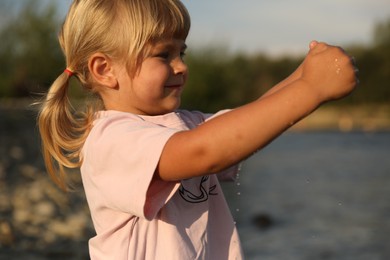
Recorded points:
179,67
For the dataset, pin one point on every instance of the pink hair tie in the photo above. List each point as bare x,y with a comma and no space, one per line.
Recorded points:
69,72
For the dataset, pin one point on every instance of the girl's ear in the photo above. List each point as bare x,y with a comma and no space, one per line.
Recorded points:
102,70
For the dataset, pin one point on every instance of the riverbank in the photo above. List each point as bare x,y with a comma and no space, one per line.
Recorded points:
366,118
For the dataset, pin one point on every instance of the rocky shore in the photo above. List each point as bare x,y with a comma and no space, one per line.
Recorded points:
37,220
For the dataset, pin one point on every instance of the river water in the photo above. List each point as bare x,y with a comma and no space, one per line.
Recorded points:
317,195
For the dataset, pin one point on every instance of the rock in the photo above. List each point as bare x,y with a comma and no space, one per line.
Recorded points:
7,237
263,221
16,153
5,203
45,210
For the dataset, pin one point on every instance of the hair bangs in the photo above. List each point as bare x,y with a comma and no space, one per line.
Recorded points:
171,20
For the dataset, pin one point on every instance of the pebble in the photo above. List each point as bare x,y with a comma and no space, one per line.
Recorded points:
263,221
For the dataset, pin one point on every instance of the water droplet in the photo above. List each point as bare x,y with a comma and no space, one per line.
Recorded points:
237,210
238,193
340,204
238,184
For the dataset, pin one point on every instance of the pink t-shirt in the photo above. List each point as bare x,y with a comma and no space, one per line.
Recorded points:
138,217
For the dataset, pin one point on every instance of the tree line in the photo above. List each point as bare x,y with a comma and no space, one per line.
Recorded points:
31,59
219,79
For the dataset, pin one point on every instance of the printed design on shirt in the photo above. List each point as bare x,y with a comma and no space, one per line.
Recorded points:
201,194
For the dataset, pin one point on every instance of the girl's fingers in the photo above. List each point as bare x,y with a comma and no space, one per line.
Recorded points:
318,47
313,44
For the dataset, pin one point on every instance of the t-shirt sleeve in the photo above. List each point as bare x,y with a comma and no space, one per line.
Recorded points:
122,157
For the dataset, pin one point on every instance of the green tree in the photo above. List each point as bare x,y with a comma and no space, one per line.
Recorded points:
382,34
373,62
29,50
207,86
222,80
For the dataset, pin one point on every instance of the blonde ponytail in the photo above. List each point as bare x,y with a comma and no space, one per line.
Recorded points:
63,131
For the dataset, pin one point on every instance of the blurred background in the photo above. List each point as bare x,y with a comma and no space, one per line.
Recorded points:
321,191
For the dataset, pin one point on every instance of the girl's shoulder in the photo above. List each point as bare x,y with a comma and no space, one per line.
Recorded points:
114,122
115,129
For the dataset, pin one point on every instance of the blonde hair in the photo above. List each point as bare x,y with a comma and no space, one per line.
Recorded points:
120,29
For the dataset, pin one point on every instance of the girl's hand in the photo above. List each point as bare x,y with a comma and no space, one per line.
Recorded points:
329,71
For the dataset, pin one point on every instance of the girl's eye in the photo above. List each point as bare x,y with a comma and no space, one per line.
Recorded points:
164,55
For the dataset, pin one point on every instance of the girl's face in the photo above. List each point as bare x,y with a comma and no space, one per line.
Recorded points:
157,87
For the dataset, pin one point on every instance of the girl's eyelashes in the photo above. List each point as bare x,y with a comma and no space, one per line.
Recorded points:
182,55
164,55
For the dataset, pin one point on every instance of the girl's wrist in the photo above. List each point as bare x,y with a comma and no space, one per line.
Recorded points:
311,91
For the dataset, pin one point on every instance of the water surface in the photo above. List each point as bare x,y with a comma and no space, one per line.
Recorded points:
321,195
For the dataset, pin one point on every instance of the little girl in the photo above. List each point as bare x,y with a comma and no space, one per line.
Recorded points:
150,171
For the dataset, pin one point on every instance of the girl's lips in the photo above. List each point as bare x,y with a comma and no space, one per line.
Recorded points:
174,86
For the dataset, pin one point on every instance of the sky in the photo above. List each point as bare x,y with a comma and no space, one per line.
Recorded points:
280,27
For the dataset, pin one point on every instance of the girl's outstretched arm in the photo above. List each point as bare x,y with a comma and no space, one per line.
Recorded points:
327,74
